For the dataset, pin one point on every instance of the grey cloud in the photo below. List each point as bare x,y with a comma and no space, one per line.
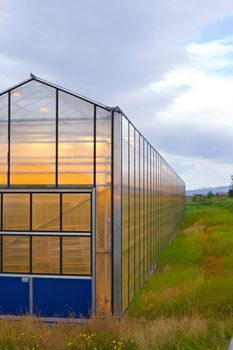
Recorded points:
100,48
193,141
111,51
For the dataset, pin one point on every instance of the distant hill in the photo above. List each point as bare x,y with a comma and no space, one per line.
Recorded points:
220,189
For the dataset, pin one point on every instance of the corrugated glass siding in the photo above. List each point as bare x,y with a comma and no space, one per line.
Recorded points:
152,207
103,211
51,137
3,139
46,233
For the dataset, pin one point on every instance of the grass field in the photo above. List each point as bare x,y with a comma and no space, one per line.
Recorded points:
187,304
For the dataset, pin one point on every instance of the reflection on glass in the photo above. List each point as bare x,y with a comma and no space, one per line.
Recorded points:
76,212
142,231
0,211
33,129
76,255
46,254
137,212
125,214
132,215
103,211
3,138
46,212
152,206
16,254
145,209
76,141
16,211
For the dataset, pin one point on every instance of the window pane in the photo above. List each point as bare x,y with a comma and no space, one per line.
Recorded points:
16,254
76,255
142,226
46,254
137,212
3,138
76,140
125,214
33,129
103,211
46,212
16,211
132,215
76,212
0,211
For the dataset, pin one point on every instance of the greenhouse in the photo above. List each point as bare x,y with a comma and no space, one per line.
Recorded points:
87,205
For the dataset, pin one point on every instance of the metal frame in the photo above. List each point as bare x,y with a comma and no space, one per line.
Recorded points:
117,210
31,193
30,275
152,201
59,88
155,187
61,234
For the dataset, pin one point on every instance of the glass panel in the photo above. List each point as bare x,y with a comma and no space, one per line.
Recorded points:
16,211
146,208
76,140
76,255
33,129
3,138
46,212
125,214
132,216
137,211
16,254
157,205
142,226
76,212
149,210
103,211
46,254
0,211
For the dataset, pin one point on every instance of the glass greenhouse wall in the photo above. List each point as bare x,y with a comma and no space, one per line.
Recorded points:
86,204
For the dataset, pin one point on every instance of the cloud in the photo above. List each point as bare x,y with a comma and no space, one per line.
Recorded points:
147,57
105,47
199,172
198,125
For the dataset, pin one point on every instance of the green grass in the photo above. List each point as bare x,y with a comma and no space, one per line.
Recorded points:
195,277
187,304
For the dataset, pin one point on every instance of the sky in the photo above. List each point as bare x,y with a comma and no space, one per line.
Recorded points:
167,63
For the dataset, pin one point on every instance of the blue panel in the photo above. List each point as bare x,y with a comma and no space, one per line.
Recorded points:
14,296
57,297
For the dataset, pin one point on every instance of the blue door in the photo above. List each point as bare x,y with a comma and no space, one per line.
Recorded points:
62,297
50,297
14,295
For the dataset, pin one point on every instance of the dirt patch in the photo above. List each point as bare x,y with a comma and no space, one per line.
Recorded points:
212,265
198,228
